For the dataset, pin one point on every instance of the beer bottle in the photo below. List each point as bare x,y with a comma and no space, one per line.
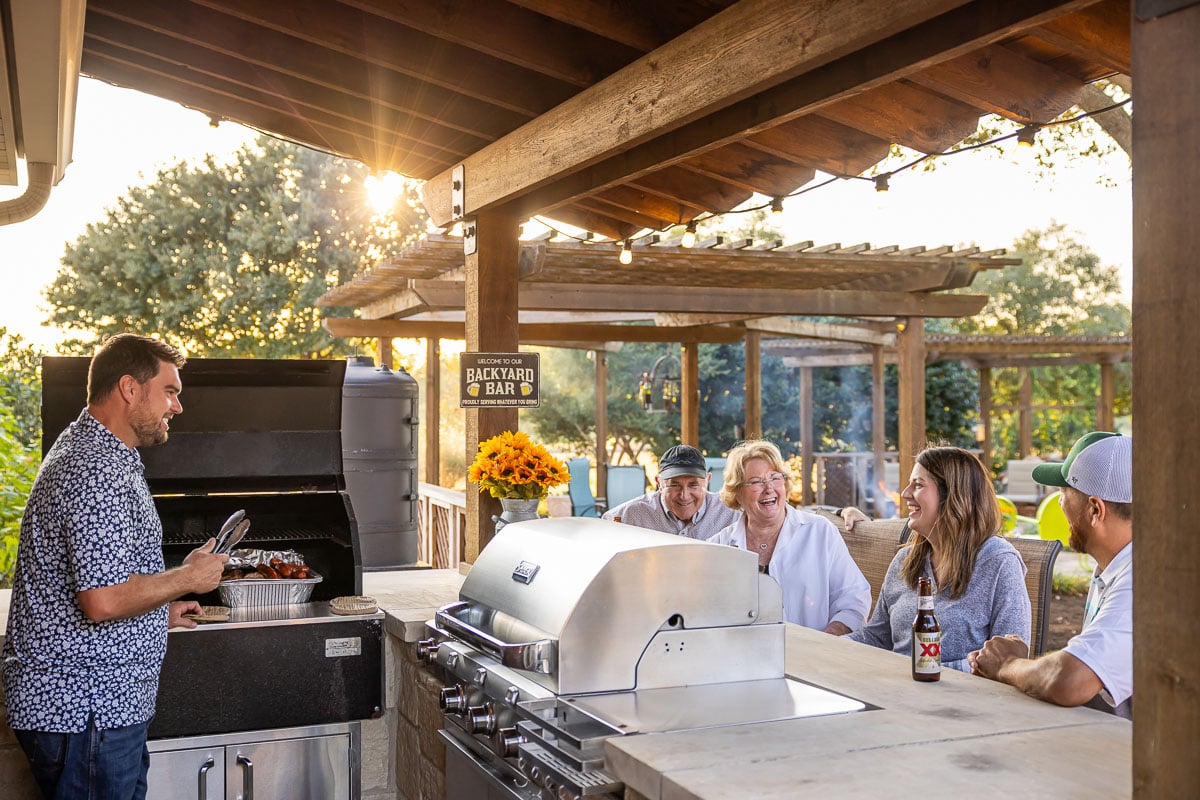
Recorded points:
926,636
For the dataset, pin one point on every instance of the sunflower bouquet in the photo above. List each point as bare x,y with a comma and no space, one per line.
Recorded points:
510,465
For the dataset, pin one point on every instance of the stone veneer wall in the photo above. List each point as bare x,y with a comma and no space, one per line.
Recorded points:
420,754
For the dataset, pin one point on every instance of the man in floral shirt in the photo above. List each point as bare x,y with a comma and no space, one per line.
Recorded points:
91,602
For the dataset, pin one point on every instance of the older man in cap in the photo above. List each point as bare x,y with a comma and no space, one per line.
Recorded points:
682,503
1096,667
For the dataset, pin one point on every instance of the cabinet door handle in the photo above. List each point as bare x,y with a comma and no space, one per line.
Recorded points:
202,779
247,777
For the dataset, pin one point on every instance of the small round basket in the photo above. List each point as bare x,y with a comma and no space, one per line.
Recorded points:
353,605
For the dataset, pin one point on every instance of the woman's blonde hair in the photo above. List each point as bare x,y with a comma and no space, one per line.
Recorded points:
967,515
735,469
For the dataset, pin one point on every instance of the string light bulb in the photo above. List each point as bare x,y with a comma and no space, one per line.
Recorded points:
626,257
689,236
776,205
881,183
1026,136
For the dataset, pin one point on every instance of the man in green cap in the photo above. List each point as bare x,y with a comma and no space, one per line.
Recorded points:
1096,667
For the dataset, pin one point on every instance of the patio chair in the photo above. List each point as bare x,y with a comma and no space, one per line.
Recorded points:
872,545
1020,487
1039,555
625,483
716,478
583,502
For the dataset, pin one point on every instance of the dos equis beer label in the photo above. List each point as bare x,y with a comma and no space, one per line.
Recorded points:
927,653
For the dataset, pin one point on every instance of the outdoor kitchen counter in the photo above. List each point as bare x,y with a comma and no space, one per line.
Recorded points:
408,598
959,736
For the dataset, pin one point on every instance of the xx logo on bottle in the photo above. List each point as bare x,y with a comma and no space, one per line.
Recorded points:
931,649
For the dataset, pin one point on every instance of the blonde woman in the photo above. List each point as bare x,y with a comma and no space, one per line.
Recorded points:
822,586
979,578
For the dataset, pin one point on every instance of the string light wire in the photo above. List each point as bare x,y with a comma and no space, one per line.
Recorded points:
874,179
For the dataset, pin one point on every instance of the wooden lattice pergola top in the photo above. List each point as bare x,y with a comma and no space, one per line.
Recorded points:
974,350
585,277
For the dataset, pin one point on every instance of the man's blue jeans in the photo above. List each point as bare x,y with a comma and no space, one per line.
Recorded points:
92,765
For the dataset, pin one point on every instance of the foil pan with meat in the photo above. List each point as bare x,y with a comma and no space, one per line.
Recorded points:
266,578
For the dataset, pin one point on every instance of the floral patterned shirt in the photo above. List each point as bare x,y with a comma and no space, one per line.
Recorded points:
90,522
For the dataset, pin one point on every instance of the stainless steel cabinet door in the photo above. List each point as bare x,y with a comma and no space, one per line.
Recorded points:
182,774
316,768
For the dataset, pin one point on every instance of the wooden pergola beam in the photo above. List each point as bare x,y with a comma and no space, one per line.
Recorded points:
951,34
553,333
831,331
738,52
441,294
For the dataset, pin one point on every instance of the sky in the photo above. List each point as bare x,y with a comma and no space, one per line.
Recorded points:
123,137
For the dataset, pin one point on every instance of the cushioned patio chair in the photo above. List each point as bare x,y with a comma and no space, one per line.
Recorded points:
579,488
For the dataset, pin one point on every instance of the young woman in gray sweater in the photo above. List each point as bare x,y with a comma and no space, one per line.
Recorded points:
979,578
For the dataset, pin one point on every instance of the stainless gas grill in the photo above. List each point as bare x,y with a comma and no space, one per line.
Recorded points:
570,631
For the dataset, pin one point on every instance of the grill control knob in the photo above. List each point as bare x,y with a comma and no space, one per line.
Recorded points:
427,650
453,700
508,739
481,719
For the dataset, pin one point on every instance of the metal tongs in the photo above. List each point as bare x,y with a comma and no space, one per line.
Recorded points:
231,532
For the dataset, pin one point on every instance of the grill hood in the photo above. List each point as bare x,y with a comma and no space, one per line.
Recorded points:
585,605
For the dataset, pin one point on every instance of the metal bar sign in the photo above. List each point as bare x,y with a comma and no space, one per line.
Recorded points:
499,380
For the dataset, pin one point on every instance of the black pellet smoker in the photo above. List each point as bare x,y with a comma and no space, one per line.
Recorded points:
322,457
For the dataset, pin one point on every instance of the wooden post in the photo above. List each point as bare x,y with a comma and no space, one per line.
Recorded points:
807,445
433,411
1166,361
491,311
1105,420
910,350
878,440
385,351
985,415
753,419
1025,413
689,414
601,357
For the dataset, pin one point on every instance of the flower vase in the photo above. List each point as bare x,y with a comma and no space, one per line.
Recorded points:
516,510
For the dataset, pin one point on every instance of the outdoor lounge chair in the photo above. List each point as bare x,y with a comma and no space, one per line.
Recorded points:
583,502
716,469
1020,487
625,483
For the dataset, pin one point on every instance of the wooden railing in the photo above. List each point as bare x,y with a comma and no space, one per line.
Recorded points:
442,523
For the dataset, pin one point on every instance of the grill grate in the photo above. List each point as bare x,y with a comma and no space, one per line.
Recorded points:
275,535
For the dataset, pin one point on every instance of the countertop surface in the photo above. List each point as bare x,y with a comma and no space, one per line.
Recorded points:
960,736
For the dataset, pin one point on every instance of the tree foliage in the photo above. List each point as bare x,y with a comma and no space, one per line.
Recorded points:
21,386
228,259
1060,289
20,436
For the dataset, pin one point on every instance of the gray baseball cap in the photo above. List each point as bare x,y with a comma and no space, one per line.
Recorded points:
1099,465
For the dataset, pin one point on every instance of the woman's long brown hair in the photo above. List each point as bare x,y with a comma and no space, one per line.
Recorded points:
967,516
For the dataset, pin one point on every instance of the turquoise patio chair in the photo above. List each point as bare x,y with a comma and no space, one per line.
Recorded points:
716,466
625,483
583,502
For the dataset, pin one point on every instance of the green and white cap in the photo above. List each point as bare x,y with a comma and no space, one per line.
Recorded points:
1099,465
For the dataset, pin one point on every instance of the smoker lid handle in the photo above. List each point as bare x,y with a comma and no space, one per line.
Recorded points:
538,656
